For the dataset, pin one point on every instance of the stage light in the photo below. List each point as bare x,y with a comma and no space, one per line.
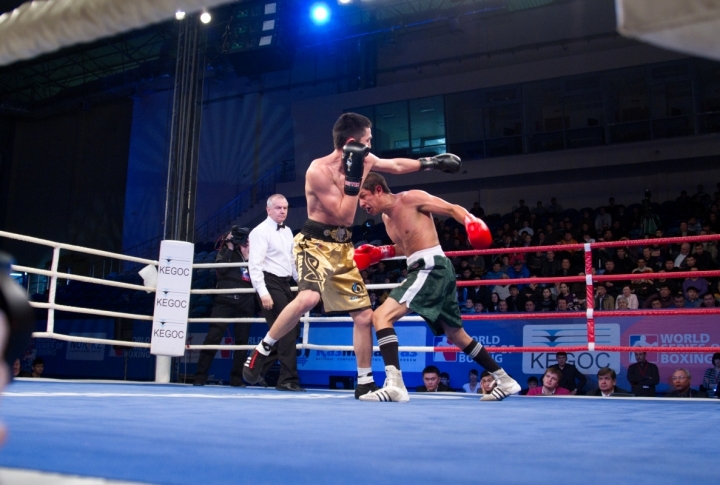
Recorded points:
205,18
319,13
344,2
179,15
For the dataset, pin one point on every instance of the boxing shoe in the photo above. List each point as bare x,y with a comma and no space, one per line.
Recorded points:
392,391
505,387
253,367
363,389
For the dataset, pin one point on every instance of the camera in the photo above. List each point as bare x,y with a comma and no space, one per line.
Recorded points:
238,235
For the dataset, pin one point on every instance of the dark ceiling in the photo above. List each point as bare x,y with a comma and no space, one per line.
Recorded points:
117,66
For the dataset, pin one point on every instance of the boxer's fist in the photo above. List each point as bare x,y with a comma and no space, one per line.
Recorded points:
478,232
354,154
367,255
446,162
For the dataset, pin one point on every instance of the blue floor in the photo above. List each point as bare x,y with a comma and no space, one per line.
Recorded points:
173,434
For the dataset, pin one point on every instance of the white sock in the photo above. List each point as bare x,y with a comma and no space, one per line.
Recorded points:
265,345
365,375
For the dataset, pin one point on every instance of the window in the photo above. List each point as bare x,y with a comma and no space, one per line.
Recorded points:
427,126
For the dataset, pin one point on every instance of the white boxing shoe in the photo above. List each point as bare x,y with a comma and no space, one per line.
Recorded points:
392,391
506,386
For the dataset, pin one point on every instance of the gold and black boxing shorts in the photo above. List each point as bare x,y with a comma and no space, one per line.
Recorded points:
324,257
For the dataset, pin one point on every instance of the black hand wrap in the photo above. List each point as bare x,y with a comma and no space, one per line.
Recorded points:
20,315
354,154
446,162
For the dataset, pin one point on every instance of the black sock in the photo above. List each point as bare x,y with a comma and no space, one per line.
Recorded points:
478,353
388,342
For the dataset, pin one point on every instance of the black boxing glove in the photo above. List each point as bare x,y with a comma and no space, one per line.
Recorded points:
354,154
447,162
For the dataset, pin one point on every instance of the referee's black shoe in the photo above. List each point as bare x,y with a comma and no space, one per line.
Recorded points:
253,367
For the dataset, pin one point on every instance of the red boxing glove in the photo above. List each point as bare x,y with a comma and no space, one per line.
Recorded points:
478,232
367,255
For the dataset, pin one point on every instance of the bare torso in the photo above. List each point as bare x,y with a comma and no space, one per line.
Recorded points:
410,228
326,199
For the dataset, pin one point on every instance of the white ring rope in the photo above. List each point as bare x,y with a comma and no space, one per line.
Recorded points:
39,27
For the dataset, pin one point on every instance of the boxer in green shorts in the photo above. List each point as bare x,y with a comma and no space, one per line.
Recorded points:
430,288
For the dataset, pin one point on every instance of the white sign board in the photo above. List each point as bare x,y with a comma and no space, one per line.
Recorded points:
172,299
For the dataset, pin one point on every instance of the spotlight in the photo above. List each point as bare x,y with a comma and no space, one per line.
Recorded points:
344,2
205,18
179,15
319,13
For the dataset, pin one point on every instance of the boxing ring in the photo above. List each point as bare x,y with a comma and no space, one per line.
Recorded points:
175,433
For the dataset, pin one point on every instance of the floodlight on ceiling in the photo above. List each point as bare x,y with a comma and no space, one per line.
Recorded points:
205,18
179,15
319,13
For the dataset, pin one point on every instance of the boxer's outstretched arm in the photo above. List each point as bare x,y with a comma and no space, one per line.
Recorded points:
393,165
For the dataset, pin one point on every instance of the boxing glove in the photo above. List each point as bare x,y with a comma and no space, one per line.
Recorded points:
446,162
367,255
478,233
354,154
18,312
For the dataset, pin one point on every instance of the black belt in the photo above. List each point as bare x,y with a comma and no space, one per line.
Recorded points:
281,278
232,296
327,233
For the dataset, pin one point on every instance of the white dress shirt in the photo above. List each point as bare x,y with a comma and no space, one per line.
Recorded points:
270,251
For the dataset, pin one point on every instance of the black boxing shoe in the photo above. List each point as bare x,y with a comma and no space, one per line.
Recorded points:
253,367
362,389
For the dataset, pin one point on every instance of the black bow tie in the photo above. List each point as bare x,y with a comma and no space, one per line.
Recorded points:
281,226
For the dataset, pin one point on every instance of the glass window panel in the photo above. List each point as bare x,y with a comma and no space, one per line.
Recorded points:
367,111
427,124
391,127
708,86
584,110
503,121
464,117
629,94
544,106
672,99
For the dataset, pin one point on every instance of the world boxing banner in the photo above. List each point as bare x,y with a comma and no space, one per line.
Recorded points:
172,299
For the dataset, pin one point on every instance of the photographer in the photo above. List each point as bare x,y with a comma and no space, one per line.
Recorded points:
235,249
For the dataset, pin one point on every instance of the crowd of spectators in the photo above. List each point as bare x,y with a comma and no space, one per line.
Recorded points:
647,267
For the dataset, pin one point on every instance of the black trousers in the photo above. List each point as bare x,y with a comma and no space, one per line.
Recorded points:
225,307
284,350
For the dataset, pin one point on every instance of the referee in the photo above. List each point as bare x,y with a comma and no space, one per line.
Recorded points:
272,268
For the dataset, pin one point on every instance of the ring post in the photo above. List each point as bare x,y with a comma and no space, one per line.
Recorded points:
172,304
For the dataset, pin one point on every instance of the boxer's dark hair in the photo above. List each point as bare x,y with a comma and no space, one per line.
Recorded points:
374,180
349,125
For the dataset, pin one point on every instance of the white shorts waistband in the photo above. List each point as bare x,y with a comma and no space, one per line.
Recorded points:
433,251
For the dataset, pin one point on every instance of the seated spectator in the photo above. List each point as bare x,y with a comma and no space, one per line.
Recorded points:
445,379
487,383
678,301
643,376
512,301
671,283
531,291
503,291
613,287
18,371
570,374
539,209
562,305
547,302
38,367
607,379
495,273
623,263
603,220
502,306
532,383
468,307
622,303
655,263
550,384
477,265
679,258
566,269
692,299
473,386
703,259
494,300
518,270
550,265
711,379
700,284
564,294
708,301
529,306
477,211
656,305
664,296
681,381
479,307
603,301
554,207
628,295
431,378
